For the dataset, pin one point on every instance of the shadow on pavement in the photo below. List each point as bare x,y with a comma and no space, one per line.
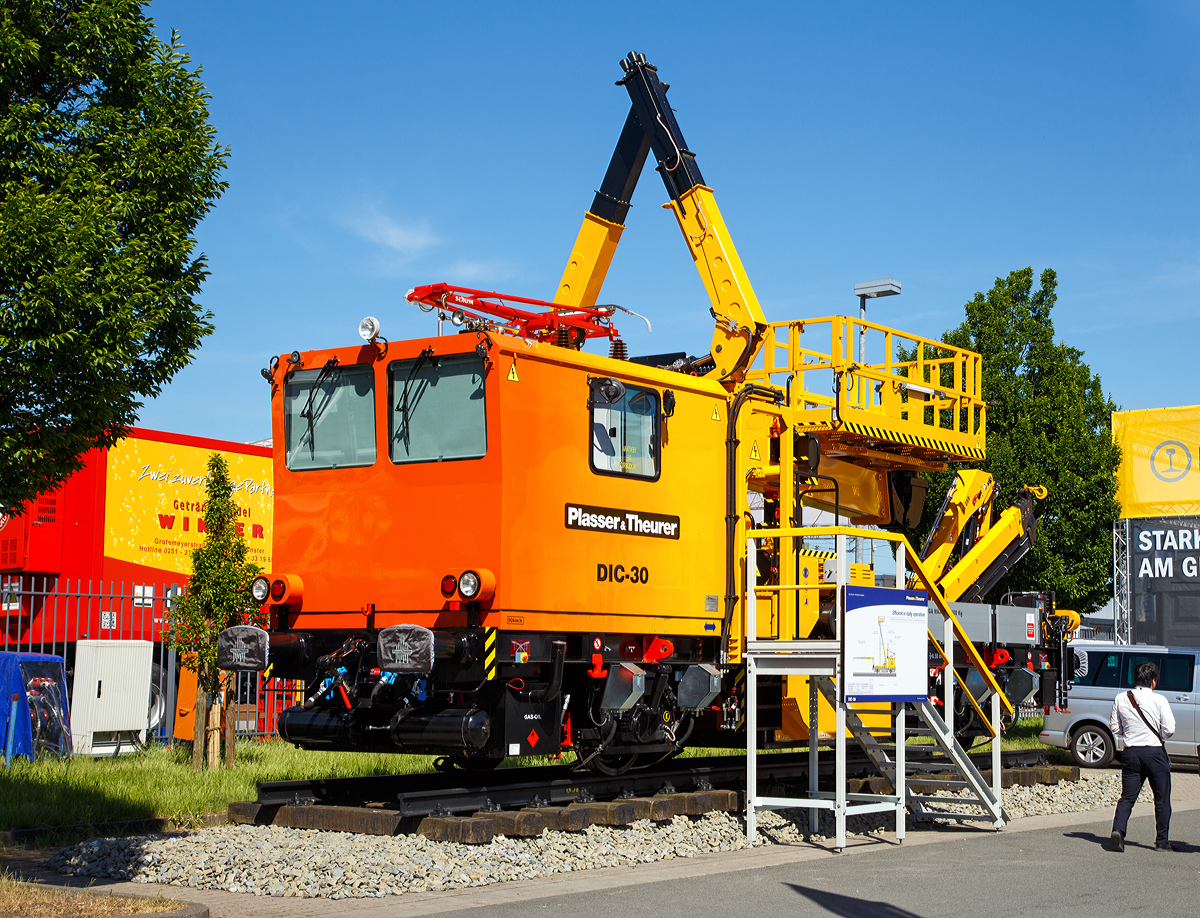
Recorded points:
1104,840
849,906
1101,840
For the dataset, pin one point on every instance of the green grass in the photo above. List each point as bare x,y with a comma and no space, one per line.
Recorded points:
161,783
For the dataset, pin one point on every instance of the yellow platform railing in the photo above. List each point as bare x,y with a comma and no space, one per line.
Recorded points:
914,563
933,396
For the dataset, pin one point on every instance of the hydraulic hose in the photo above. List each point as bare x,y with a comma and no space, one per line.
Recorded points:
557,654
731,514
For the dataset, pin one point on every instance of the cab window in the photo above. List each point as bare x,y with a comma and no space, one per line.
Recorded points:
437,408
625,434
329,417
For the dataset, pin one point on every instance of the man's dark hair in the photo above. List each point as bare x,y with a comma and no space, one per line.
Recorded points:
1145,674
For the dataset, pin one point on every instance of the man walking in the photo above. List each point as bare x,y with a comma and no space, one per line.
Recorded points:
1145,720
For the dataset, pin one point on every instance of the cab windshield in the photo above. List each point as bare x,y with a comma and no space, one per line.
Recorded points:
329,417
438,408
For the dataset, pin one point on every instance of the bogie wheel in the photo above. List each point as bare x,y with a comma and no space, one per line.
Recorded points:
1092,746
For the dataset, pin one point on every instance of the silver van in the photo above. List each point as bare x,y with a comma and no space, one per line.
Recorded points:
1102,670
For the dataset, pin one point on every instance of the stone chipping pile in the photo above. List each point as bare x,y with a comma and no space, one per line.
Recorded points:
306,863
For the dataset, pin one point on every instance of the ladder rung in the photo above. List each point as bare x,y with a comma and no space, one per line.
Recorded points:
956,801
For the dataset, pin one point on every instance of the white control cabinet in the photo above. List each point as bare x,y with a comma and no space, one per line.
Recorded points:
110,696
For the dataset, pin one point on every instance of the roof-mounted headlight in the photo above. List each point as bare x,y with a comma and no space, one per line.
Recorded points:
369,328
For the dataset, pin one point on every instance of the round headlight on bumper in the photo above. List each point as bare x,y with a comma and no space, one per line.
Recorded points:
468,585
260,589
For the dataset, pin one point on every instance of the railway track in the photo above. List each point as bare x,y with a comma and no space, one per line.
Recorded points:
383,804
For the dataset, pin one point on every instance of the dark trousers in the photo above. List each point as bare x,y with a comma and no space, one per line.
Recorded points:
1139,764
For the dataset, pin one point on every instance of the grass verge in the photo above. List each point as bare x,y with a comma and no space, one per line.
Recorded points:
161,783
30,900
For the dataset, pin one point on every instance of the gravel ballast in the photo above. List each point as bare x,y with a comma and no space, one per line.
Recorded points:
276,861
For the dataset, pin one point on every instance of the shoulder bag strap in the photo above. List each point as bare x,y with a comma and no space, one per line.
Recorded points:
1138,708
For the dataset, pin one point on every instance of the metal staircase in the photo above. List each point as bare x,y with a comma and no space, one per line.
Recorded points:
986,799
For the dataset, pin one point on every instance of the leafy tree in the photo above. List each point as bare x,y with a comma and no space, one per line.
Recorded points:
1050,423
107,164
217,597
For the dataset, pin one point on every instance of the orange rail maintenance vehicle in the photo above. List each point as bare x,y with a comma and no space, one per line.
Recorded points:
493,543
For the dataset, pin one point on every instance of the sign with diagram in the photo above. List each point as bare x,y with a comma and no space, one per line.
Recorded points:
885,644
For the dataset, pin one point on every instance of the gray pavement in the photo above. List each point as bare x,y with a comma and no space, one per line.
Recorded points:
1051,873
1052,866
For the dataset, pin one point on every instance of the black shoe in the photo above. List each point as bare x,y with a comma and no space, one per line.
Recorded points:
1118,842
1169,846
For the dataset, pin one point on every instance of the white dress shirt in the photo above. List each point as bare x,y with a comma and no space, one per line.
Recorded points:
1124,717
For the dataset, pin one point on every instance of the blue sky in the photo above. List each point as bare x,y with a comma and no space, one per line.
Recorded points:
376,146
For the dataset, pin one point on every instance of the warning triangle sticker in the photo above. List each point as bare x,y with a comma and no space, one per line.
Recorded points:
754,450
716,415
512,373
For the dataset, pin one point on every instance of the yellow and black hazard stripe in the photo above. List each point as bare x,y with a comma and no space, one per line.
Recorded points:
489,653
814,553
943,446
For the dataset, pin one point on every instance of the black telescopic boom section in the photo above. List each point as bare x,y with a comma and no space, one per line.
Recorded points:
676,164
612,200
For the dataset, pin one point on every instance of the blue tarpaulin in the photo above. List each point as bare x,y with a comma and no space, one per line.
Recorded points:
39,683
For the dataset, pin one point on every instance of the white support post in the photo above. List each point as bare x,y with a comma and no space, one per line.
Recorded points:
901,576
813,739
839,790
998,824
751,583
751,746
901,775
841,579
948,675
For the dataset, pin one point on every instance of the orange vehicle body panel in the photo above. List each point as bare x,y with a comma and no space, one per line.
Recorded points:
382,537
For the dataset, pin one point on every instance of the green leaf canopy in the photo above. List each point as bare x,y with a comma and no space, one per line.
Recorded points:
107,164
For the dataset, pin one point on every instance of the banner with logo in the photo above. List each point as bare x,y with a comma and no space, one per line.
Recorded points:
154,503
1159,451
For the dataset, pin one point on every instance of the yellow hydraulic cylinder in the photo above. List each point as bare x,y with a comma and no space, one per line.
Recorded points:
589,262
740,320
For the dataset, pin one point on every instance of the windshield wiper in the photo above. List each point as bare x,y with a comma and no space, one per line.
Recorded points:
306,411
402,405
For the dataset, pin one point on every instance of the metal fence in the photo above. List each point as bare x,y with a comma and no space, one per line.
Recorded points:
44,614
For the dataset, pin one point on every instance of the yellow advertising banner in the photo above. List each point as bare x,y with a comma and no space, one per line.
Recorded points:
1159,451
154,503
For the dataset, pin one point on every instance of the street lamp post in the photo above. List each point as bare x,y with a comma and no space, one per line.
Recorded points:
869,290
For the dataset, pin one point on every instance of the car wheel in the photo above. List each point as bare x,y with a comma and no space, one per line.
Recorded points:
1092,747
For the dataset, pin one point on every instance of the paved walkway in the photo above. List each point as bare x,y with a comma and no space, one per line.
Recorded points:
1053,865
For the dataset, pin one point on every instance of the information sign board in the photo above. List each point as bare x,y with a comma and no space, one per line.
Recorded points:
885,644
